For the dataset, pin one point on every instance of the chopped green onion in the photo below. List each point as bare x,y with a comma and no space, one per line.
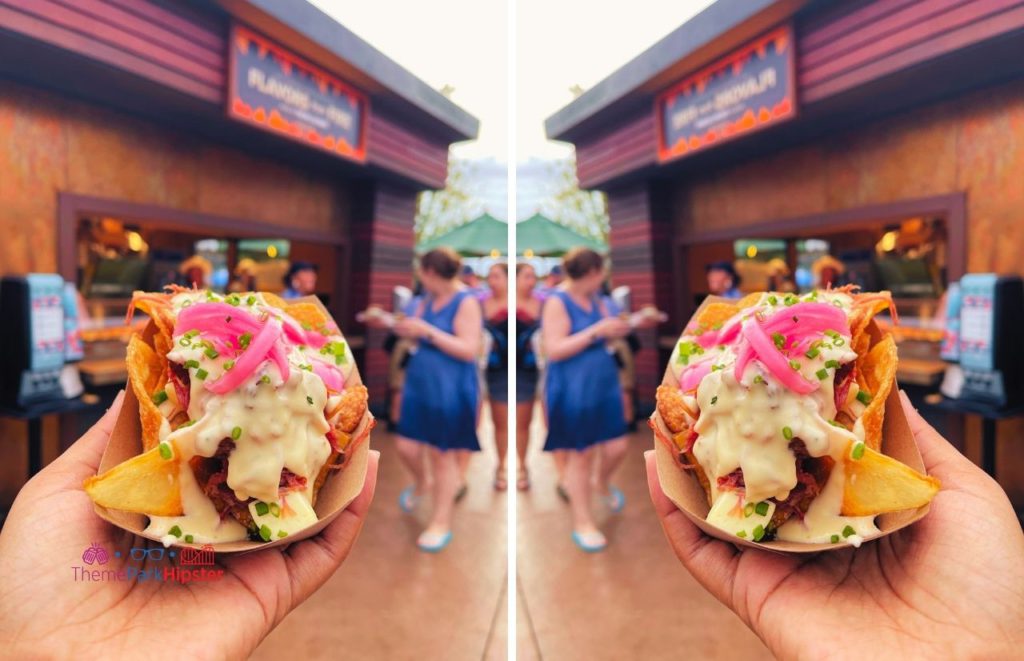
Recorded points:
265,533
275,509
714,400
234,299
779,339
336,349
833,334
838,342
772,300
761,508
790,299
822,374
309,400
748,509
187,423
159,397
688,349
717,326
262,508
192,363
265,378
742,534
229,364
251,300
834,364
835,539
244,339
165,451
176,531
836,424
192,333
306,326
189,539
758,379
787,433
201,374
211,352
185,342
795,364
848,530
864,397
281,534
715,368
236,433
308,368
758,532
858,450
812,353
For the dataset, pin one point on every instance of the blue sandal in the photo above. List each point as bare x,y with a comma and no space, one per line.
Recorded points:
616,499
407,500
434,543
588,544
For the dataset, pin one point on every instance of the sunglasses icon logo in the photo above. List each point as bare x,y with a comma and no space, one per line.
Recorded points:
140,554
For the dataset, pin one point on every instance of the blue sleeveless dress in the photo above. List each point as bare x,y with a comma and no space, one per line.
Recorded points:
440,395
583,393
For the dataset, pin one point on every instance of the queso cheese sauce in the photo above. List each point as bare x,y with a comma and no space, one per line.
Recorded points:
758,401
273,423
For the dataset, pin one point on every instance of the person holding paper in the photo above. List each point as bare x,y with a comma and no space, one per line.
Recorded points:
442,389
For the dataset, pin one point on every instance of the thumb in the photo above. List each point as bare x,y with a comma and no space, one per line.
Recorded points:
941,459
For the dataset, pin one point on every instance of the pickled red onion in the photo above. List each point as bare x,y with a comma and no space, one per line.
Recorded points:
693,375
329,375
296,334
261,345
774,360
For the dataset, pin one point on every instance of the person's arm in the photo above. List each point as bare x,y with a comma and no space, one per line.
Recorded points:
463,344
555,326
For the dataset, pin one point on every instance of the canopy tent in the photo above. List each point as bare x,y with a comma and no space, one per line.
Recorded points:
480,237
542,237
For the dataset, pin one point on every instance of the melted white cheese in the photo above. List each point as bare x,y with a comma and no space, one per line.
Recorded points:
279,425
748,424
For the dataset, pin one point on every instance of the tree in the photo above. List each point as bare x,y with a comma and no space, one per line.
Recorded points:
440,211
583,211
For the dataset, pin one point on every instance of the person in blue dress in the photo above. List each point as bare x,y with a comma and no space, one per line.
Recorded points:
582,390
441,393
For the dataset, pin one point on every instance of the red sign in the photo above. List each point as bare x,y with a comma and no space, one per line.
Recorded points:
744,92
282,93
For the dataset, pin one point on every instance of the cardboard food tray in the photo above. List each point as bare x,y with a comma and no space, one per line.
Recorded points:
337,492
683,489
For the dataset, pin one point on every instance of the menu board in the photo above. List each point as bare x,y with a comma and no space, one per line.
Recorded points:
749,89
276,90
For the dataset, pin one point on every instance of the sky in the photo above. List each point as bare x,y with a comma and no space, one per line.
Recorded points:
559,44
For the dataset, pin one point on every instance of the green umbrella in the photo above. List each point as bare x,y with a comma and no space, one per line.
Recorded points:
477,238
542,237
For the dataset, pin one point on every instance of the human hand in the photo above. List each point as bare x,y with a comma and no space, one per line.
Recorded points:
611,328
412,328
949,586
45,611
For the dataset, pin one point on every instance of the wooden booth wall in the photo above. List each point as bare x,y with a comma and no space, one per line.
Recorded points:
53,144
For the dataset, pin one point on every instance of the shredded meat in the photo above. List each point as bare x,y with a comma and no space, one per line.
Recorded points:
811,475
178,375
732,481
844,377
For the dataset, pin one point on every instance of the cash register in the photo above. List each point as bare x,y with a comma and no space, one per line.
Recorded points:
991,348
33,337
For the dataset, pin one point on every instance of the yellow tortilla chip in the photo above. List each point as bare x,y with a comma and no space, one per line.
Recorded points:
878,370
876,484
308,315
144,375
749,300
146,483
714,314
275,300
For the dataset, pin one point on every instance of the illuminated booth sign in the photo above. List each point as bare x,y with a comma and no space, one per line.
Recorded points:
748,90
279,92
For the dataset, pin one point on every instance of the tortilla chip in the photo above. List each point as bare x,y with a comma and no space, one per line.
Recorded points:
749,300
162,345
161,315
672,408
146,483
351,408
308,315
878,370
863,314
275,300
714,314
144,374
876,484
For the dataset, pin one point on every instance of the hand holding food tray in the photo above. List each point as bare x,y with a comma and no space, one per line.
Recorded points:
245,423
778,424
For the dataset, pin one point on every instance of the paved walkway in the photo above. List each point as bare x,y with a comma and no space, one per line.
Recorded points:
633,601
